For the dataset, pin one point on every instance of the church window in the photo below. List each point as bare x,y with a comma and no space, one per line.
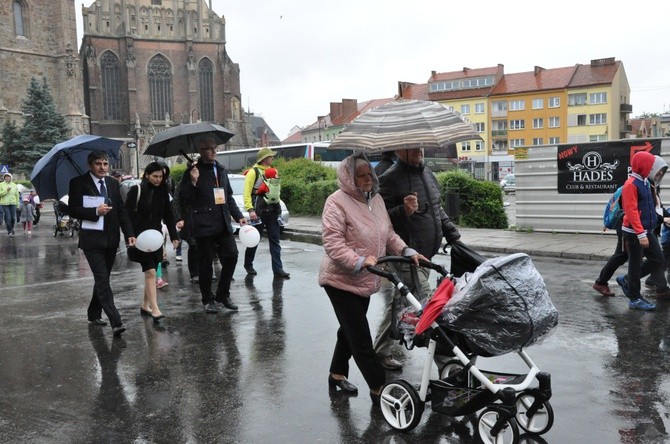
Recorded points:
205,75
111,88
19,23
160,87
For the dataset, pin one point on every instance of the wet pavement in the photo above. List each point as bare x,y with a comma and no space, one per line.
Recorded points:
259,375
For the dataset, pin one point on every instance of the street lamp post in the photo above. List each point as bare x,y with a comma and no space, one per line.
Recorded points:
321,119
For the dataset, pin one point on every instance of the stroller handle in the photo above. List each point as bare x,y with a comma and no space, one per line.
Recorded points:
406,260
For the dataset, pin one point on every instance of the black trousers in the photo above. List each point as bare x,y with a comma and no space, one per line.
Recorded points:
353,338
223,245
101,263
637,269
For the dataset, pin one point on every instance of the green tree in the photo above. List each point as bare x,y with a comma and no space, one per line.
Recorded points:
10,137
43,128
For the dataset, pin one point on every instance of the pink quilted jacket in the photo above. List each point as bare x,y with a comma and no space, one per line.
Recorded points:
355,227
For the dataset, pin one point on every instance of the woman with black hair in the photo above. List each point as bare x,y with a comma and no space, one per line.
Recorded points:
149,204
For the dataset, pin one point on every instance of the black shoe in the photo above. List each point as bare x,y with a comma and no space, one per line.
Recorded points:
157,318
251,271
282,274
211,308
376,399
343,384
144,312
228,303
97,322
118,330
195,279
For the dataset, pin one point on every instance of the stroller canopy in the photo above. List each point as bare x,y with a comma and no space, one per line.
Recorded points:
502,306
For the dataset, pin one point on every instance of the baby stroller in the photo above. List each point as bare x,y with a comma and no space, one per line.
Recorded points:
64,223
500,308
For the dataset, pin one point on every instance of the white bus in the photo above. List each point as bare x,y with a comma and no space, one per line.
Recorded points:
237,161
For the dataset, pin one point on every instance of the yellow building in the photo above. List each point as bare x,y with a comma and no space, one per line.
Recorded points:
580,103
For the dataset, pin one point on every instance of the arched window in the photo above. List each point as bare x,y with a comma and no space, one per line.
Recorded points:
160,87
205,76
111,87
19,24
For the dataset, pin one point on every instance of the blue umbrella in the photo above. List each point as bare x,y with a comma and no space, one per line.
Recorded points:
52,173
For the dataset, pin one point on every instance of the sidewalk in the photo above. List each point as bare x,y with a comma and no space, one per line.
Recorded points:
598,247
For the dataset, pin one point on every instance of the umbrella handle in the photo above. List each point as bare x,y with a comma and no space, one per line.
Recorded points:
190,161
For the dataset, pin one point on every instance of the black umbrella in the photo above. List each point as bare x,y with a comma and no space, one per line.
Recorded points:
181,139
52,173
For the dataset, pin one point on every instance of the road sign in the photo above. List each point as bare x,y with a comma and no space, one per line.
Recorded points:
4,169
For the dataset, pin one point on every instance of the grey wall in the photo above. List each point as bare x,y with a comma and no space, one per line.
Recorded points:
539,206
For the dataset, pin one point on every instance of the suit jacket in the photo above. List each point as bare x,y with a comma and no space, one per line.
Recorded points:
109,237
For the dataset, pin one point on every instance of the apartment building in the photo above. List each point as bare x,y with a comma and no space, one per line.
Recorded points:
580,103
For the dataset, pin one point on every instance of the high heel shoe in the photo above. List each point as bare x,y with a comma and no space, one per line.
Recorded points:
157,318
144,312
343,384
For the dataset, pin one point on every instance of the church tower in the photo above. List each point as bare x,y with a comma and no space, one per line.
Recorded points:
153,64
38,38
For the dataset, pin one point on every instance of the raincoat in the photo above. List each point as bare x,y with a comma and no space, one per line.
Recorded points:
355,225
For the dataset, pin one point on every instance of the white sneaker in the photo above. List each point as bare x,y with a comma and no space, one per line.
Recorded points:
178,258
30,232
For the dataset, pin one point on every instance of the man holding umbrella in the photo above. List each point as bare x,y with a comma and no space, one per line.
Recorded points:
209,197
412,197
95,199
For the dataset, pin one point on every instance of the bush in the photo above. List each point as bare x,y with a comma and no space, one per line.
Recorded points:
305,185
177,172
480,203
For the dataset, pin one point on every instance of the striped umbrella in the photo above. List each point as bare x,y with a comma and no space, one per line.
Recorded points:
405,124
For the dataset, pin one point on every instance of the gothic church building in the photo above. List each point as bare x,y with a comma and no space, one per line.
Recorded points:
143,66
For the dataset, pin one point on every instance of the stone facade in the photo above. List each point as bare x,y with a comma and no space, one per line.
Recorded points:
38,38
127,43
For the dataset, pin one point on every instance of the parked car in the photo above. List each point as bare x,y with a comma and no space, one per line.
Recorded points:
237,183
508,184
126,185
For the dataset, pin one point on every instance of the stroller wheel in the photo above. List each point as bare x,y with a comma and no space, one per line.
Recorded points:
401,405
534,418
488,419
452,367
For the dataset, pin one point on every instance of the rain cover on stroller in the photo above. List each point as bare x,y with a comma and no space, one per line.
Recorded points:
502,306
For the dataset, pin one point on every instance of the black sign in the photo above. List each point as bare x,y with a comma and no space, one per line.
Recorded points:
598,167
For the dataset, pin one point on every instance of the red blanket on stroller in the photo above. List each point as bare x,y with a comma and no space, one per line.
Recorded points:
435,305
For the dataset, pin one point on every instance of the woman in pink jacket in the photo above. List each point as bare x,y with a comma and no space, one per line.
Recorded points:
356,231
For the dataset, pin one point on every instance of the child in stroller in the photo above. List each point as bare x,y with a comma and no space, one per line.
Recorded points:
64,223
500,308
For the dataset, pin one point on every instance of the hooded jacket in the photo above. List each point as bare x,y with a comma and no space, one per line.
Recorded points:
639,205
424,229
355,225
9,192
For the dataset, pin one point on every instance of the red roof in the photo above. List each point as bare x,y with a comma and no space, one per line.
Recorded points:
538,80
599,72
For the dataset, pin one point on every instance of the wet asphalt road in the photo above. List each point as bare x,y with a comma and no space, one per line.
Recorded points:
259,375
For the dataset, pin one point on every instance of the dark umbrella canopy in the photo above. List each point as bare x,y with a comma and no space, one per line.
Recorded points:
52,173
405,124
181,139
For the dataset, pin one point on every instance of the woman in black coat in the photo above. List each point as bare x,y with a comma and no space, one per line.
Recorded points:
148,210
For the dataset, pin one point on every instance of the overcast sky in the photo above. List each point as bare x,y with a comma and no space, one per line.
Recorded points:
297,56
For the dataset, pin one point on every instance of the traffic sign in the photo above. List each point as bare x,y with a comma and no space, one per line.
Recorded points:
4,169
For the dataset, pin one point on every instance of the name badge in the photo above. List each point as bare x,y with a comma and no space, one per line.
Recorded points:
219,196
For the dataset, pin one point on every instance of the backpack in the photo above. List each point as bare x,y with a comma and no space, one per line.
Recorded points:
273,185
613,210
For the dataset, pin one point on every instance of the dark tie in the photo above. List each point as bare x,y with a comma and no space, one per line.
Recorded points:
103,188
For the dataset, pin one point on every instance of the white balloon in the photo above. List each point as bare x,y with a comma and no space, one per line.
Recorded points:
249,236
149,241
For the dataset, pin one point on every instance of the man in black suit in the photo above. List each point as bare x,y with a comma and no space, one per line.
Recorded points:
207,193
95,199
